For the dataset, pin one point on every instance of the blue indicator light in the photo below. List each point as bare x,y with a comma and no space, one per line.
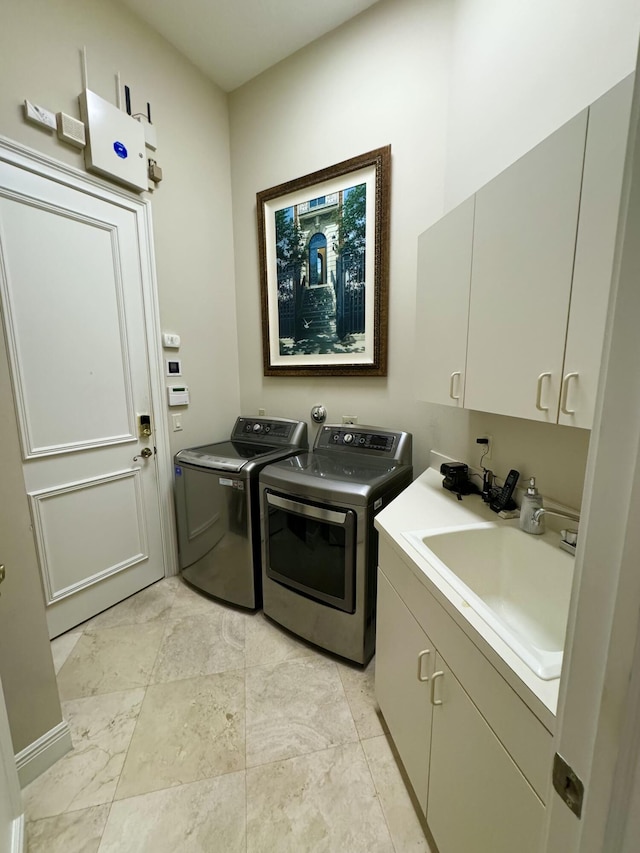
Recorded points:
120,150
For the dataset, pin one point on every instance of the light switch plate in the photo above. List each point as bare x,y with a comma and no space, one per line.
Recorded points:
170,341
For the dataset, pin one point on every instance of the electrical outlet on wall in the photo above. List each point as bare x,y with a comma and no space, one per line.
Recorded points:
486,444
349,419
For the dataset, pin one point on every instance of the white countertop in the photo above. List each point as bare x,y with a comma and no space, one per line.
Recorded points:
426,505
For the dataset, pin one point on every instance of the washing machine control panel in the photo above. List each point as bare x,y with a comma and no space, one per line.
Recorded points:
278,432
335,437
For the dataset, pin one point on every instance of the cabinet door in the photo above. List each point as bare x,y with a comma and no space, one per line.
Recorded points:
442,306
599,205
478,798
404,656
523,250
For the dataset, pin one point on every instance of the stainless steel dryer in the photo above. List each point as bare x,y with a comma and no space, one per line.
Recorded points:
216,495
319,545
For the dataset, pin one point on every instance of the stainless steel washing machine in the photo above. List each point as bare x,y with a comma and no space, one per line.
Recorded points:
216,496
319,545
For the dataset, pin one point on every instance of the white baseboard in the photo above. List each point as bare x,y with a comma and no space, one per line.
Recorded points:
43,753
18,841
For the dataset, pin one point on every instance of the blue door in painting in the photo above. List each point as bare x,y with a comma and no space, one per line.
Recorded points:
318,259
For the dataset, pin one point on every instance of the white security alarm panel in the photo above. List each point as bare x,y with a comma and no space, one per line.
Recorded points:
178,395
116,146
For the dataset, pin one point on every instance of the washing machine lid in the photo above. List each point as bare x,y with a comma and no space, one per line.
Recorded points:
341,477
230,455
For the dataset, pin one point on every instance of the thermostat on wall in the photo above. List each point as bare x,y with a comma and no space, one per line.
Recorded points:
174,367
178,395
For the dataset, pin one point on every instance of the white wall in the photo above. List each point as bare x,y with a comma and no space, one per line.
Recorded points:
520,70
389,76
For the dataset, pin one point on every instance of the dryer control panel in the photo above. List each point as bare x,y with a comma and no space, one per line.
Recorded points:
365,439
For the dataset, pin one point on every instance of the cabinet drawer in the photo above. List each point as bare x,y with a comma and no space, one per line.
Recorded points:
527,741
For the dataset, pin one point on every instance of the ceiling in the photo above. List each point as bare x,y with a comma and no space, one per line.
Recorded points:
232,41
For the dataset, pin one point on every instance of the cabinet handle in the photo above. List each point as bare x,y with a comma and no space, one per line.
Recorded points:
451,384
565,393
539,405
422,655
434,677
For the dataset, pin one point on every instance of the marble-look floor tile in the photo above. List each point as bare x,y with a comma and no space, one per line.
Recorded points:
320,803
201,817
267,643
359,688
62,647
148,605
101,729
187,730
111,659
402,820
201,645
294,708
190,602
74,832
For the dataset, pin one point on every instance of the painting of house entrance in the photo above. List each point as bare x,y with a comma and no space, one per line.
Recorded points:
324,269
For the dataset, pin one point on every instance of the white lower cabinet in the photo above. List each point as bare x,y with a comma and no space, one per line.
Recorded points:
404,663
477,757
478,798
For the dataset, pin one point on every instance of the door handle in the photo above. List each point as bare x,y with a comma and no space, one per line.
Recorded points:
539,405
452,383
434,678
145,453
3,573
421,656
565,394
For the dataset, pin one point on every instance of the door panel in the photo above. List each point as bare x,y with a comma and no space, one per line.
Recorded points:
523,249
67,325
75,552
71,279
499,811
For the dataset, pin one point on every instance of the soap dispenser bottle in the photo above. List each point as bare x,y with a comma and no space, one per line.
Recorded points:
531,501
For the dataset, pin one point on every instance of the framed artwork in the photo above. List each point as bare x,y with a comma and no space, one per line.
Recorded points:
324,270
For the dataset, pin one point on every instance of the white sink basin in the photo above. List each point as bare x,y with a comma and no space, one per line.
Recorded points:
517,583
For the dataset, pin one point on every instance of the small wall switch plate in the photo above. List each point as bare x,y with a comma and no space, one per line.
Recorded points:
170,341
262,413
40,115
176,417
349,419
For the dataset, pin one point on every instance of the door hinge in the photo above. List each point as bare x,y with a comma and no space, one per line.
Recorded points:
568,785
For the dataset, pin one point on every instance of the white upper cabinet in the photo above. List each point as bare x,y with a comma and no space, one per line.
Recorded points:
600,201
442,310
513,285
523,249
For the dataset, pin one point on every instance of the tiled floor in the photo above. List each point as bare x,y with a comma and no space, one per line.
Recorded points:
197,727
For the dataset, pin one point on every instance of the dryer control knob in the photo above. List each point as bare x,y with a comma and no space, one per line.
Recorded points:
348,437
257,427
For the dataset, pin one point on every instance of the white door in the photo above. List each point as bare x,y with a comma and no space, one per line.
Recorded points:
74,264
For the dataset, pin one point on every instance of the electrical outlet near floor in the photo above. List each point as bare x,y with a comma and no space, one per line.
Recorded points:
349,419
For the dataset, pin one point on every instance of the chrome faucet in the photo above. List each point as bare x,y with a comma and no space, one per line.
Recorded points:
568,538
542,511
